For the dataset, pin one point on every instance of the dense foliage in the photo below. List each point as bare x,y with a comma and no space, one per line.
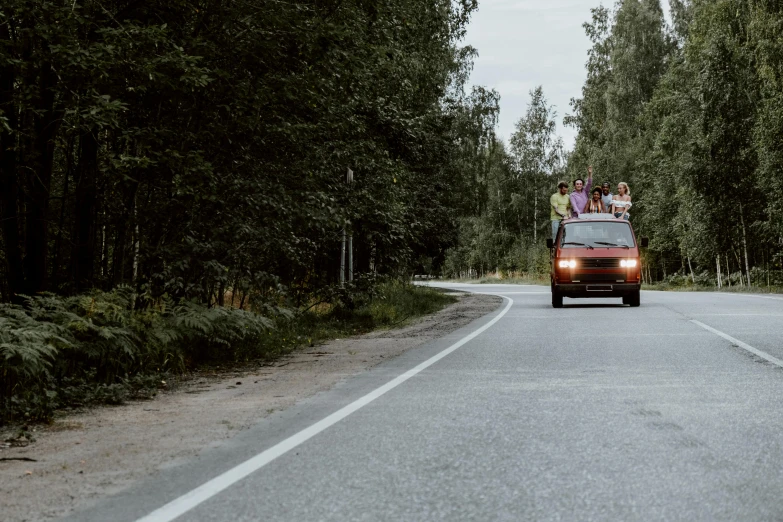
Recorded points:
689,114
199,149
105,348
691,117
173,176
506,232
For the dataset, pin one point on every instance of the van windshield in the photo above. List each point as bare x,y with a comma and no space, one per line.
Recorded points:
597,234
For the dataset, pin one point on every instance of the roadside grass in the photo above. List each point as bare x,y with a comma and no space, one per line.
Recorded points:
666,287
60,353
525,279
393,304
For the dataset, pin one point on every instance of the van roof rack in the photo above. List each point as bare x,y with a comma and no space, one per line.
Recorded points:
596,216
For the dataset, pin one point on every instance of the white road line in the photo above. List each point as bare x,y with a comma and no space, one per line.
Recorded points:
755,351
510,293
193,498
736,315
751,295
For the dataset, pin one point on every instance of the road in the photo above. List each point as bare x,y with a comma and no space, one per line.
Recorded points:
591,412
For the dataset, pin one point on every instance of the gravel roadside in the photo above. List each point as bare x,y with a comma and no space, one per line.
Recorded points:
90,455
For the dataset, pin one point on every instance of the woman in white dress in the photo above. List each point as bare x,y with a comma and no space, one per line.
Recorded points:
621,202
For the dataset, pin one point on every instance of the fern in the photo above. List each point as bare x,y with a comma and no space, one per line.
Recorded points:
56,349
27,347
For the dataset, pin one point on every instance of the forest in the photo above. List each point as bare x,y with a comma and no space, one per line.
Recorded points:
174,176
200,148
688,113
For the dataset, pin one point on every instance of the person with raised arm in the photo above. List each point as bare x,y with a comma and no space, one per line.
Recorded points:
579,195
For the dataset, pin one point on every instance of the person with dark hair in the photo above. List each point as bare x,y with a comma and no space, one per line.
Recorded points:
560,206
607,196
595,205
579,195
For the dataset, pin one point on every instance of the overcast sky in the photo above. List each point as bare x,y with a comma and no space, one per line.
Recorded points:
525,43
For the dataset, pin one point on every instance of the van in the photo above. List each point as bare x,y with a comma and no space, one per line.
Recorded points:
596,255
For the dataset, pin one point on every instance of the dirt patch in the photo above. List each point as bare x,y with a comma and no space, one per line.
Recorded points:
87,456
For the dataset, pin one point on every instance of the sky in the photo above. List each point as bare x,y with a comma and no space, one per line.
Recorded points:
525,43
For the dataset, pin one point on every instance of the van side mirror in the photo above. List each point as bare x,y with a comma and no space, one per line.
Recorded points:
550,243
645,241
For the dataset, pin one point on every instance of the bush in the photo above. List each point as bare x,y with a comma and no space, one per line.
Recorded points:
100,347
108,347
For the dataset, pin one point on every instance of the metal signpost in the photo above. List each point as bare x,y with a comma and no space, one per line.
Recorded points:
349,180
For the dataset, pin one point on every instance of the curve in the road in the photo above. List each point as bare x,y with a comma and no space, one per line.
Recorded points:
188,501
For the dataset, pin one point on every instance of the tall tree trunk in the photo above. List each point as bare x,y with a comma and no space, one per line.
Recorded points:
535,220
717,262
118,254
690,267
728,269
104,247
745,243
58,242
120,248
136,243
9,177
40,161
83,260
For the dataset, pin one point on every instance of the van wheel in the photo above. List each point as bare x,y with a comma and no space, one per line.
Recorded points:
557,299
634,299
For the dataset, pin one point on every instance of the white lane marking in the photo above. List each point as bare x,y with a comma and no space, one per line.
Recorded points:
188,501
737,315
755,351
751,295
509,293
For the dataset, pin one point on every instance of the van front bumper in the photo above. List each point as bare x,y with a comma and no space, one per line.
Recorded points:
597,289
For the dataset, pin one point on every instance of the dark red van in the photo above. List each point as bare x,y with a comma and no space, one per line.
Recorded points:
596,255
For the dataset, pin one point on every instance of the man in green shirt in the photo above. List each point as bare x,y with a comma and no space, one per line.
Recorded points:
560,205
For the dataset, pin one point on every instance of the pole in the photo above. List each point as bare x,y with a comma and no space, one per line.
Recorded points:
745,245
717,259
728,269
342,259
350,258
349,180
135,243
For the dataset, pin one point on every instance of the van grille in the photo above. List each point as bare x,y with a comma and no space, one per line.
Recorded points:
598,277
602,262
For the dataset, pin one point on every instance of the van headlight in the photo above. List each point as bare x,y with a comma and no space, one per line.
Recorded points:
570,263
628,263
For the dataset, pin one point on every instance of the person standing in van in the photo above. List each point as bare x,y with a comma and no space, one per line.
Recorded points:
606,195
579,195
560,206
595,205
622,202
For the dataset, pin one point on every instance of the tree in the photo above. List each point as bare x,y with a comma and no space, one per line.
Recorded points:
199,150
537,156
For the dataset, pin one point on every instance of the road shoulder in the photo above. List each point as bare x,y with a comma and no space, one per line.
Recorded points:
91,455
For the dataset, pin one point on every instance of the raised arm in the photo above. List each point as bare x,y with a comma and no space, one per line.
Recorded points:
589,179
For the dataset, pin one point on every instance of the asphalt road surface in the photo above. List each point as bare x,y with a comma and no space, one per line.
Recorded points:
597,411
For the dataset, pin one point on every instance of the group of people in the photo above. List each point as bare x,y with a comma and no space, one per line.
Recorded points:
600,200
